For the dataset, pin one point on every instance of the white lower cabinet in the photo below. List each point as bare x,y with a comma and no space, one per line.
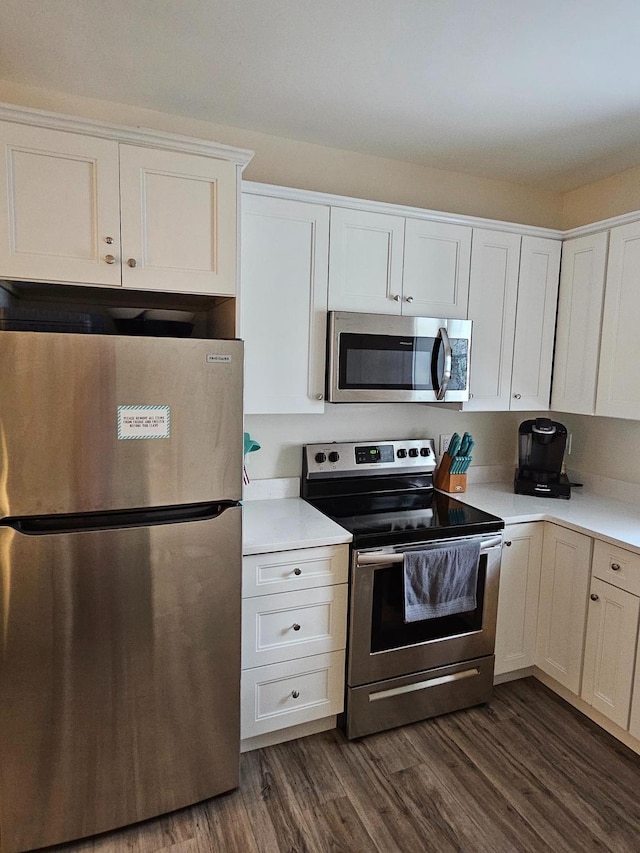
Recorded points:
610,651
518,597
294,631
612,633
562,614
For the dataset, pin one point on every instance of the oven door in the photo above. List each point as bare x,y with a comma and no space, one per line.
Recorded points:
382,645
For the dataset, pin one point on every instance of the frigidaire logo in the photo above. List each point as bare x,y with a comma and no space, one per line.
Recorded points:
214,358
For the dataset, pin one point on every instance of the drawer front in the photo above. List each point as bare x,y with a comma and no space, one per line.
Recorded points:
287,694
616,566
304,568
293,625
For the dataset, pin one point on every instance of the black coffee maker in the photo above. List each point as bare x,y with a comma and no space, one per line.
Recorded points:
541,444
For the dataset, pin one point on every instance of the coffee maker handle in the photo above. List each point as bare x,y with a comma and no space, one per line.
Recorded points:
446,373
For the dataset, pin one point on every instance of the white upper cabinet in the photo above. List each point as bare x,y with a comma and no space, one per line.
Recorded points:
365,262
385,264
61,219
284,261
535,324
582,278
493,295
618,394
436,269
512,303
89,208
178,221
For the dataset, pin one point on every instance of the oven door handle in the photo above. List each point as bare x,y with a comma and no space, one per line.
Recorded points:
381,559
443,383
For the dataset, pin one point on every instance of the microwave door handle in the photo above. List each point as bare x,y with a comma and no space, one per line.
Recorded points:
446,373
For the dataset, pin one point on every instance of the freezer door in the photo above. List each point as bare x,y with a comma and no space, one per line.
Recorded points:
119,675
96,422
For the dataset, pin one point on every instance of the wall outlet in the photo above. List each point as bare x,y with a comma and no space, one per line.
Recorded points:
443,444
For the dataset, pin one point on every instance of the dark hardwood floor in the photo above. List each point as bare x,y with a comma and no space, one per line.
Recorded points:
524,773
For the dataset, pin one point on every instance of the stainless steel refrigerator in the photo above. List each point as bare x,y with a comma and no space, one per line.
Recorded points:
120,566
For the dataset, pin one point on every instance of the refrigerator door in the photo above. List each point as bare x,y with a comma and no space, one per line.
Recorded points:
119,675
95,422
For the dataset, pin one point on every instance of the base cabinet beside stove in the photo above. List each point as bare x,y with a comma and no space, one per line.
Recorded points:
518,597
294,626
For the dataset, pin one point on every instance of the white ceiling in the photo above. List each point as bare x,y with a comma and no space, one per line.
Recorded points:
543,92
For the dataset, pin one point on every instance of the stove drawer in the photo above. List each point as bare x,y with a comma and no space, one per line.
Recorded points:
410,698
293,625
303,568
288,694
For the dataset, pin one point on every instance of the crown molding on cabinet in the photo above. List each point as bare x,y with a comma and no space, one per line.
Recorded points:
329,199
397,210
135,136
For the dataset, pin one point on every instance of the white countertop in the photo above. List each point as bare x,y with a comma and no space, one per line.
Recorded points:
612,520
284,524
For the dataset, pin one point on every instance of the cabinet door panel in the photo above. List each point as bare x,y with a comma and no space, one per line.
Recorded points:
610,651
535,324
518,597
285,248
62,200
562,615
365,262
575,370
436,269
618,394
178,221
493,292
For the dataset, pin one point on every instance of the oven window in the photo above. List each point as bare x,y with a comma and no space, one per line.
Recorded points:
388,628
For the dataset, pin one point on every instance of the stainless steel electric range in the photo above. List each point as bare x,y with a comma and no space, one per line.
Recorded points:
399,672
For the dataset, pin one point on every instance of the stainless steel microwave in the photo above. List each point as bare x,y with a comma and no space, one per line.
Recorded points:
380,358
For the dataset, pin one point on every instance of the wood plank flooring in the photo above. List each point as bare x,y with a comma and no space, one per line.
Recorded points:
524,773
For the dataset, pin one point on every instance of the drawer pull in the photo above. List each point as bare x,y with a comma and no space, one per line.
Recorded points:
296,627
297,571
615,567
594,597
508,544
295,694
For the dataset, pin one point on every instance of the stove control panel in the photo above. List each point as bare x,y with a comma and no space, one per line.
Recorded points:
353,459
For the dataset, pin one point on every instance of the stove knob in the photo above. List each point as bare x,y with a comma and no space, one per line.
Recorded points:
424,451
333,456
402,453
413,451
320,457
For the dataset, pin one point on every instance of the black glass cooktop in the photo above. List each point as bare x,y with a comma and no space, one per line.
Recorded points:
377,520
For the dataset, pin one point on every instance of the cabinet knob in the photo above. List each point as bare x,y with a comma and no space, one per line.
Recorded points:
108,240
615,567
132,262
297,571
517,396
109,259
296,627
295,694
594,597
508,543
409,298
396,297
319,396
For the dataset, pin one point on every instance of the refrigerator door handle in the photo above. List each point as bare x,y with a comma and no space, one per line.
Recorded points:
39,525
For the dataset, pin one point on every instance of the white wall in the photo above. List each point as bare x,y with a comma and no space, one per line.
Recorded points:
281,437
